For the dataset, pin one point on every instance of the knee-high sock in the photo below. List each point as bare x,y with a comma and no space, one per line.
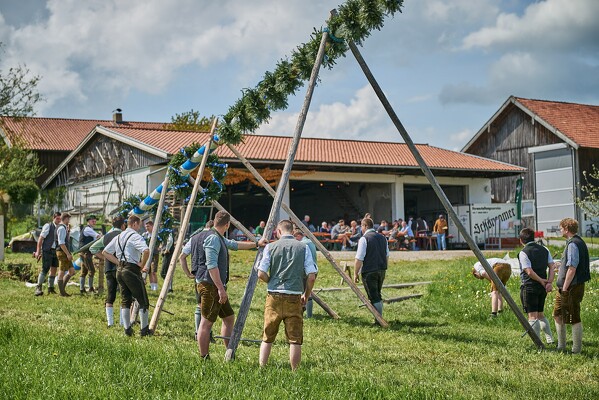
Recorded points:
546,329
561,336
51,280
143,318
198,318
82,283
576,338
41,278
536,326
126,318
110,315
379,307
90,280
66,278
309,307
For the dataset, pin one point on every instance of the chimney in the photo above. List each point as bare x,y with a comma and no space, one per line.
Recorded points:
117,116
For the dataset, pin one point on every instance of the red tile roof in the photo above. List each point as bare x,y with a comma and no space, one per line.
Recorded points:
323,151
59,133
579,122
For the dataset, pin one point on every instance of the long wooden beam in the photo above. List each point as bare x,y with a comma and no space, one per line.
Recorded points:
182,230
441,195
295,219
274,211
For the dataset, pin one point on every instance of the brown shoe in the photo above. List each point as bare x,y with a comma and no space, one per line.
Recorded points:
61,289
51,290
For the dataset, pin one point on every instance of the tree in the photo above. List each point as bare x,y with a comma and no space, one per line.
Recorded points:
590,201
18,166
190,121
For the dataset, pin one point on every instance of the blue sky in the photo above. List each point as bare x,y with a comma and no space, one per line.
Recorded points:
445,65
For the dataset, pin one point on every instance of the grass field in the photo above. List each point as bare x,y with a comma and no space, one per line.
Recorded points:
442,345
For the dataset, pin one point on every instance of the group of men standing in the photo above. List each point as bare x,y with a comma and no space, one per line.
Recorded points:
538,272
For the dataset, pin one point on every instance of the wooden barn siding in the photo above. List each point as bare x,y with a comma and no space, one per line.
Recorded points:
50,160
509,140
90,164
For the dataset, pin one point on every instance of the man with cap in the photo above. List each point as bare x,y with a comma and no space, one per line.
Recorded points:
88,235
129,251
46,250
372,258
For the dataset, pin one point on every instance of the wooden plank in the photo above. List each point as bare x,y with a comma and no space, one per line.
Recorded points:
389,286
402,298
274,211
441,194
182,230
324,306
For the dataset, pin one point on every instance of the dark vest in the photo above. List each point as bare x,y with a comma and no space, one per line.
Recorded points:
583,270
86,239
198,258
538,256
50,239
108,266
376,253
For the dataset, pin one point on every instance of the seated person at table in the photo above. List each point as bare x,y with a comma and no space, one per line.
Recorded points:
384,228
339,229
308,224
324,227
393,233
406,232
350,239
260,229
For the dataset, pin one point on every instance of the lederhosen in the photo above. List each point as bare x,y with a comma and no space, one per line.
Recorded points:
88,262
63,261
110,271
129,278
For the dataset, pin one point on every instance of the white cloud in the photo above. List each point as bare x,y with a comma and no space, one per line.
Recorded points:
100,45
362,118
546,24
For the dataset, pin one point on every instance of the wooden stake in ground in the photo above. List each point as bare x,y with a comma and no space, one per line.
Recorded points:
274,211
182,230
294,218
441,195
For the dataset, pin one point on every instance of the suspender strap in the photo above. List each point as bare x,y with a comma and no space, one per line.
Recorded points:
122,248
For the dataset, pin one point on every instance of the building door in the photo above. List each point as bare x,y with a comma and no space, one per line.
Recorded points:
554,187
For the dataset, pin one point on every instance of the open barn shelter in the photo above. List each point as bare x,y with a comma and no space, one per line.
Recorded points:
331,178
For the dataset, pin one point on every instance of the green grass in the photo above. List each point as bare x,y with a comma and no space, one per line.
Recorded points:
442,345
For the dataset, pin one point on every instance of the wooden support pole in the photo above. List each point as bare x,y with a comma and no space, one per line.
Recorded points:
441,195
310,235
402,298
324,306
182,230
253,238
157,220
390,286
274,211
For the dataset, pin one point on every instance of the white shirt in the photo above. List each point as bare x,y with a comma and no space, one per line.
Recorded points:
135,245
525,261
187,248
89,232
61,233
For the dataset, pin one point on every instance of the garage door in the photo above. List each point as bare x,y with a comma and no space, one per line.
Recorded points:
554,182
